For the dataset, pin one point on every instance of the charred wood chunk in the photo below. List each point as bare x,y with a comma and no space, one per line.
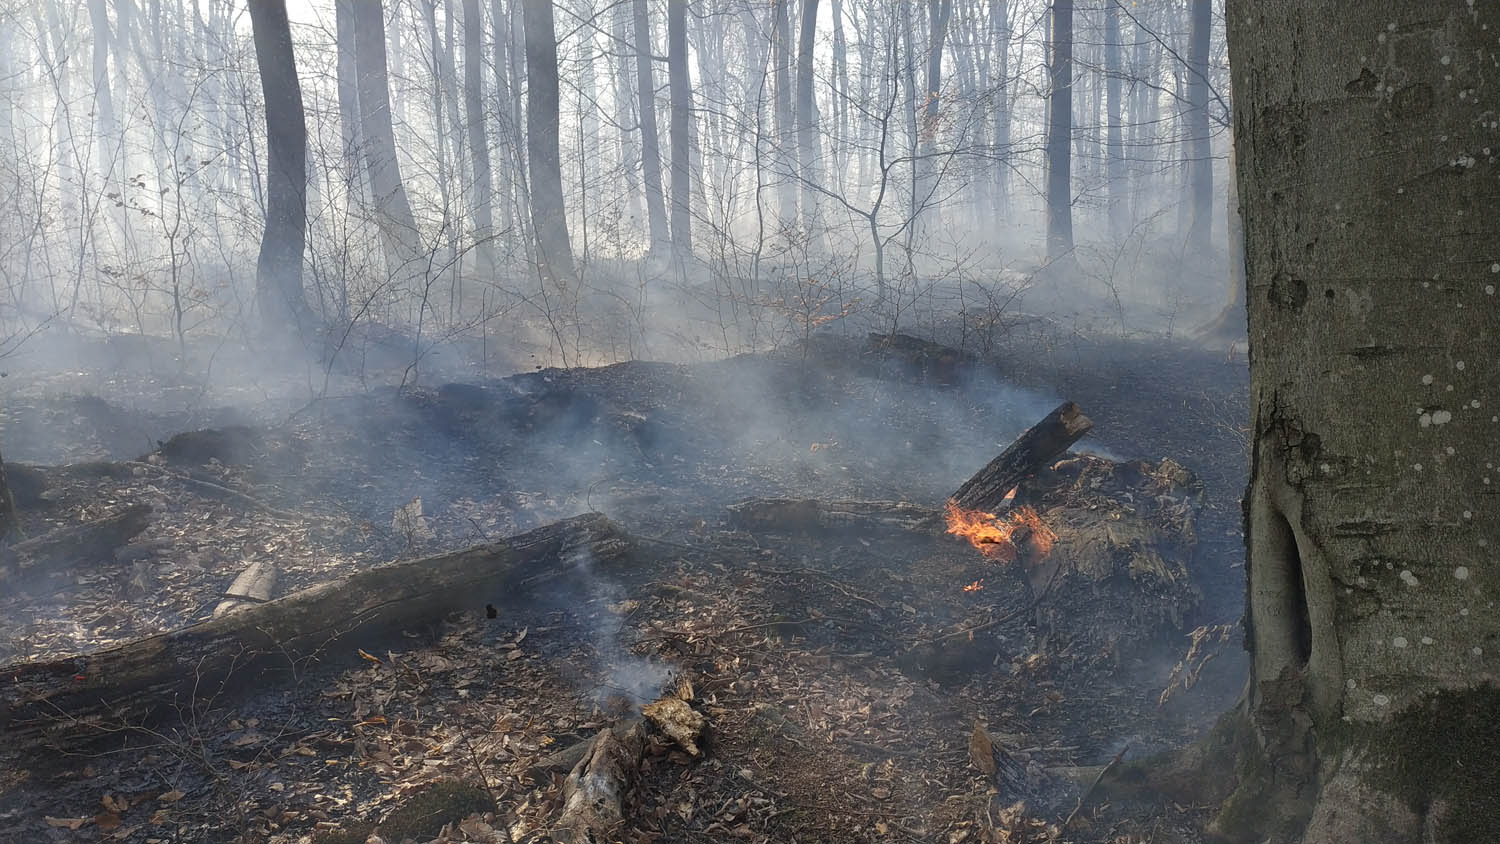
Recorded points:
233,444
1040,445
921,360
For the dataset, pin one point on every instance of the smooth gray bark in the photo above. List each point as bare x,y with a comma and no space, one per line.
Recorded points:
1372,519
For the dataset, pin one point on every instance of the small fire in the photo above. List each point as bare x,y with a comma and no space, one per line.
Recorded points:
994,535
975,586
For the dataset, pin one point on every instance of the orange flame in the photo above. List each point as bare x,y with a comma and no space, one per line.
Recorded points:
993,535
975,586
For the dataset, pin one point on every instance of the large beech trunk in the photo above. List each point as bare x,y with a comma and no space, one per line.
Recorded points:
169,675
1367,179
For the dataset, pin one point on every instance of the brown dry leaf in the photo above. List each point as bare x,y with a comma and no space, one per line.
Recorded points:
171,796
515,655
107,821
66,823
982,750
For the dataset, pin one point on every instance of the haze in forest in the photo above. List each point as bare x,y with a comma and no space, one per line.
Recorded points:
951,168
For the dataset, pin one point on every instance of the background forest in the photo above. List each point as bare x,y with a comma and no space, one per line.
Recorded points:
733,174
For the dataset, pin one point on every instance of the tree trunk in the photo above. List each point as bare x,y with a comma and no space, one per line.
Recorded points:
479,143
807,127
938,14
548,218
1000,30
1370,710
656,208
278,270
781,76
1059,133
1200,143
840,98
348,94
625,111
1113,107
681,128
507,128
398,228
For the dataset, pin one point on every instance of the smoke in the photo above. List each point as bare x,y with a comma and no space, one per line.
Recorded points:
637,678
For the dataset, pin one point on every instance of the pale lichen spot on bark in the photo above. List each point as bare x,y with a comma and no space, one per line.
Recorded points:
1461,573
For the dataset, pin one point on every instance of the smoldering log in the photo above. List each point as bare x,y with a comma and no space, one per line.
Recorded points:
255,585
594,792
1042,443
73,700
73,545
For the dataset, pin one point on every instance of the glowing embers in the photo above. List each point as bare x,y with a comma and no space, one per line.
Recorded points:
1001,537
975,586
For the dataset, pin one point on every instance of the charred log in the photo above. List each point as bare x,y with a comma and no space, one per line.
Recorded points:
61,550
73,700
594,792
233,444
1040,445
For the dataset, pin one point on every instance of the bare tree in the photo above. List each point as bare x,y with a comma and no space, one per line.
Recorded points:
1200,146
1060,132
278,271
682,116
656,208
347,80
548,217
479,143
807,127
781,73
398,227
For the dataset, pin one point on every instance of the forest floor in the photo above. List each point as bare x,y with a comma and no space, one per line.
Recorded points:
797,646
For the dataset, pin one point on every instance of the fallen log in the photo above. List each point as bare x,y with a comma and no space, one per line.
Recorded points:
594,792
1033,450
75,699
255,585
72,545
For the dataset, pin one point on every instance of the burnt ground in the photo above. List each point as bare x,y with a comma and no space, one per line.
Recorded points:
793,643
